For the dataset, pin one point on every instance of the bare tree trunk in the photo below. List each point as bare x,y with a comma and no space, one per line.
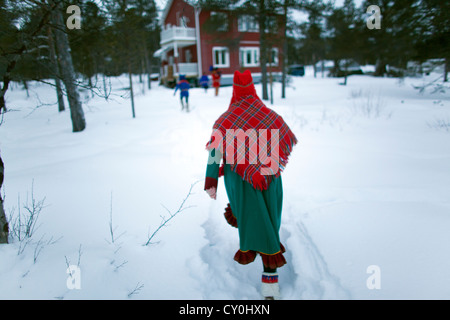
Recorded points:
12,63
55,70
68,73
284,52
446,70
148,68
271,77
25,86
104,86
7,79
345,73
131,89
314,64
4,230
380,68
263,49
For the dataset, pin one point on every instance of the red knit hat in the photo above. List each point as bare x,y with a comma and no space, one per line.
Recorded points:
243,86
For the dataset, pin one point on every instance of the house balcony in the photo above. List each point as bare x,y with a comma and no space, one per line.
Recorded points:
187,69
181,35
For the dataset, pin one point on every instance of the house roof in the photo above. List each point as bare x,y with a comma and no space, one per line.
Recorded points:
190,3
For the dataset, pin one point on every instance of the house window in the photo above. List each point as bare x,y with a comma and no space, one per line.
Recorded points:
249,56
247,23
221,57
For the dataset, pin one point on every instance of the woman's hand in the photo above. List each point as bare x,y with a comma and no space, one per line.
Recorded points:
211,192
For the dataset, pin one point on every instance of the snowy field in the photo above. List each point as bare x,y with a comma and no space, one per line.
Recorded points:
366,210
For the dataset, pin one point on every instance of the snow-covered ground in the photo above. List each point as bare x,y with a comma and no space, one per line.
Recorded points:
366,195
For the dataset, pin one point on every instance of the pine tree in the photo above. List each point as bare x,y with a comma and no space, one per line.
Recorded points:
287,25
26,56
133,35
434,25
67,70
88,43
4,230
394,43
342,25
313,44
55,69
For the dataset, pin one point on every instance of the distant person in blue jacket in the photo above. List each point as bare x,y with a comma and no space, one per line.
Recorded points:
184,87
204,82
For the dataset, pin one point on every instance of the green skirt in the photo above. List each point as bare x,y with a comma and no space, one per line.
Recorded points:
256,214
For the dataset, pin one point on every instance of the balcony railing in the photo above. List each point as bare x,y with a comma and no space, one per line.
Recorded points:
177,33
188,69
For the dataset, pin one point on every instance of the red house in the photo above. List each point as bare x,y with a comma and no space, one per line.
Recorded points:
189,47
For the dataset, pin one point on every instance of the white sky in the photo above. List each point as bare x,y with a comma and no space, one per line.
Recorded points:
299,16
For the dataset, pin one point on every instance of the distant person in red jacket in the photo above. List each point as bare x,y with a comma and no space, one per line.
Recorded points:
216,79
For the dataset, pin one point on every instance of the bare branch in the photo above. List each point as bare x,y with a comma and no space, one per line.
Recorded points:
136,290
165,221
111,228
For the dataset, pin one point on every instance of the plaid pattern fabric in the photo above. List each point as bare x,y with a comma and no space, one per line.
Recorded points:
256,141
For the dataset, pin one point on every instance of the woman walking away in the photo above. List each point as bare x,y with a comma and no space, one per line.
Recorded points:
253,186
216,80
184,87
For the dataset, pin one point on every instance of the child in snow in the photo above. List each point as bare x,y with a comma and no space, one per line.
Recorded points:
204,82
254,192
184,87
216,80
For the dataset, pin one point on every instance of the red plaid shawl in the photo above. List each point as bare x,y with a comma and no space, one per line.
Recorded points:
267,138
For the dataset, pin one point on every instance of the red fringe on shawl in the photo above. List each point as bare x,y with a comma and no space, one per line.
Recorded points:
271,261
231,219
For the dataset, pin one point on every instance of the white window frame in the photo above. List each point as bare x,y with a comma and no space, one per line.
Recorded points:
221,64
254,56
247,23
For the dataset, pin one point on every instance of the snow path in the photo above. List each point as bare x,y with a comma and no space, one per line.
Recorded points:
218,272
305,276
307,269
